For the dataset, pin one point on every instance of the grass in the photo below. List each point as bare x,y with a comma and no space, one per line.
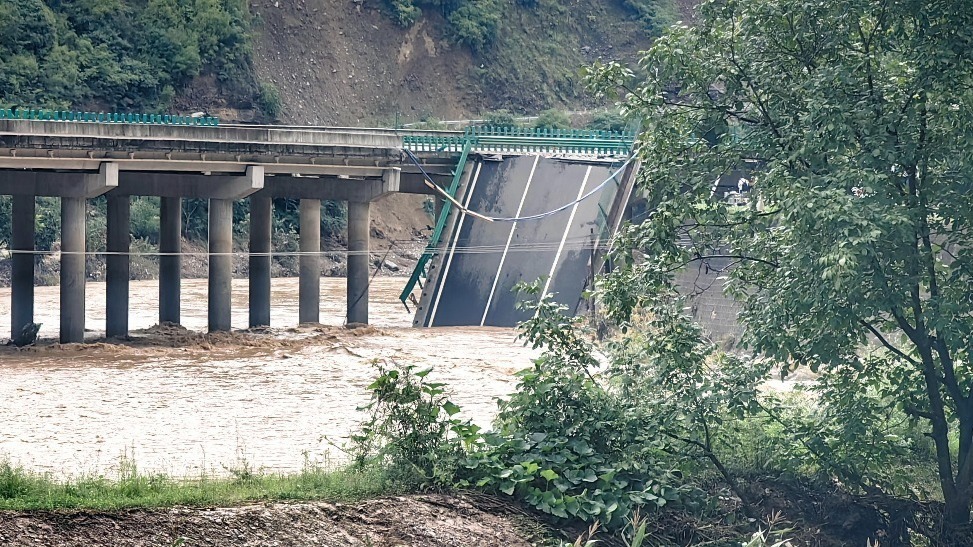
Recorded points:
24,490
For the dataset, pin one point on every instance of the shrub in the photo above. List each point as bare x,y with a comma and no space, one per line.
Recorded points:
269,100
553,119
406,13
475,23
499,118
608,120
411,428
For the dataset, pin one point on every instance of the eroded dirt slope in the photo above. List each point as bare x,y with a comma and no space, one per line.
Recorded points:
421,521
346,62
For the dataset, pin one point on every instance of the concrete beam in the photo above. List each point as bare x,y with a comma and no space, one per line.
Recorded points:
22,264
191,186
70,185
251,136
333,188
117,265
230,167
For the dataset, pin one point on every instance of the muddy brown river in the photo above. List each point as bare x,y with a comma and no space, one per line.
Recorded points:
176,402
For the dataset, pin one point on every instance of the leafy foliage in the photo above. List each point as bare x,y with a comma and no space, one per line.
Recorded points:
850,119
473,23
609,120
499,118
411,428
566,445
553,119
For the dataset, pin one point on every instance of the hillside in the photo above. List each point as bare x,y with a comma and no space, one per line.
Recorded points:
349,62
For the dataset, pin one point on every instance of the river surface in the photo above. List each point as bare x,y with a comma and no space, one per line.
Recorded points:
178,402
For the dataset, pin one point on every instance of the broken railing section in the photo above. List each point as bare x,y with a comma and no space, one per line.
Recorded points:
420,269
505,140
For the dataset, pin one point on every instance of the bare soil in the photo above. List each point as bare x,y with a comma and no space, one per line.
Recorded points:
423,520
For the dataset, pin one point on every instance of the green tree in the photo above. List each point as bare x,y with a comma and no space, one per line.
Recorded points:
852,119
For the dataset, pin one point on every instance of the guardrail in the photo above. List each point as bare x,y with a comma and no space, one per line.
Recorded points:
523,140
105,117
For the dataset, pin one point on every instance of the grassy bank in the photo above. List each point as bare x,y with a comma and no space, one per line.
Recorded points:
21,489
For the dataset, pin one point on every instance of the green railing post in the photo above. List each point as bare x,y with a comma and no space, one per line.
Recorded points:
420,269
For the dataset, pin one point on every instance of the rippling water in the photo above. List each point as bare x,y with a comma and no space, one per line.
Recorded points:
182,404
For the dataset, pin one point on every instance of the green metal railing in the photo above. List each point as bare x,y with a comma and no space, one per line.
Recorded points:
104,117
437,233
510,140
523,140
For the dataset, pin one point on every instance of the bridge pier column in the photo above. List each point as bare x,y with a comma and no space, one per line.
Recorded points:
117,266
358,228
309,291
72,269
220,264
22,264
261,215
170,263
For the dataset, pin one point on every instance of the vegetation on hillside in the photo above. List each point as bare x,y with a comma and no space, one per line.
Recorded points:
528,53
113,54
476,23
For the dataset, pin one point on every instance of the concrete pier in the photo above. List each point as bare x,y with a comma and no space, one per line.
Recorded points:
309,296
220,263
117,265
358,226
22,264
170,265
73,215
261,218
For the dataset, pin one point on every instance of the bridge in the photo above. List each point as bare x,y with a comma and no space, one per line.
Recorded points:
79,156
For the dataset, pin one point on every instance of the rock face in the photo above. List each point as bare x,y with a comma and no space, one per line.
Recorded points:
421,521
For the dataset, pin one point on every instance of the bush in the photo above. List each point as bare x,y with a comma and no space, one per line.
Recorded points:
406,13
608,120
145,218
411,429
553,119
475,23
269,100
500,118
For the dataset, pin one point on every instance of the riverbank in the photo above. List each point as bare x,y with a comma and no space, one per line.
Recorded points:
417,520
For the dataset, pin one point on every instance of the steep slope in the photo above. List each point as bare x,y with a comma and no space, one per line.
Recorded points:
347,62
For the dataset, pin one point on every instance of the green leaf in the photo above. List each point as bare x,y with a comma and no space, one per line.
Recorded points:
450,408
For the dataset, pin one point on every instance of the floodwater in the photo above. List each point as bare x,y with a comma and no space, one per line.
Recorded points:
182,403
